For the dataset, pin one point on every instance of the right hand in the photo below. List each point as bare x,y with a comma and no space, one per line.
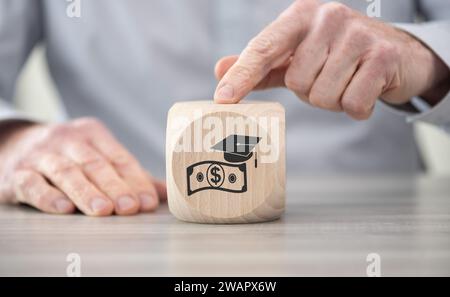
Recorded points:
58,168
336,58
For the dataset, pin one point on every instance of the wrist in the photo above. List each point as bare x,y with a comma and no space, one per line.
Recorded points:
437,77
427,75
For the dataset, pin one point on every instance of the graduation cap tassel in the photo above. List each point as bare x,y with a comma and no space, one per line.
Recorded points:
256,159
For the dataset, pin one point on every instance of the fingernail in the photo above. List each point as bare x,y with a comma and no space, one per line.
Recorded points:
226,92
126,203
98,205
63,205
147,202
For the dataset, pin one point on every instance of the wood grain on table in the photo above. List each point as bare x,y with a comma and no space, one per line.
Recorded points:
330,226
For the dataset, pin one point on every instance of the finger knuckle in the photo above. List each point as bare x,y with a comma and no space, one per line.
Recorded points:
333,11
87,123
352,46
385,53
301,5
296,85
94,164
62,169
45,199
114,186
40,201
318,99
243,73
375,72
56,131
23,179
122,160
357,36
355,108
263,46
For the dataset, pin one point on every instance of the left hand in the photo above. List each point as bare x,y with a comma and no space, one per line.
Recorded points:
334,58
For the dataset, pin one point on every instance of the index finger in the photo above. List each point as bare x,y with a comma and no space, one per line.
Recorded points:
268,50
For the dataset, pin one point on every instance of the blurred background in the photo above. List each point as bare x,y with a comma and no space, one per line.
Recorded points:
37,95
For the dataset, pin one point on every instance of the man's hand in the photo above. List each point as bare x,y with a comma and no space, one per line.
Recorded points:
57,168
334,58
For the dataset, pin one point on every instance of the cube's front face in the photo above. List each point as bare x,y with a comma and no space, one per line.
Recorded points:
226,164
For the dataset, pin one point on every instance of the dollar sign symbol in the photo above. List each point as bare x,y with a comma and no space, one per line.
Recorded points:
216,176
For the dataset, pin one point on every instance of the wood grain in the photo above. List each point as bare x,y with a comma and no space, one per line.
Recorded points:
330,226
209,123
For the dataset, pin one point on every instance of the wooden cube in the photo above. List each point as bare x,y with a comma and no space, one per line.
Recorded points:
225,163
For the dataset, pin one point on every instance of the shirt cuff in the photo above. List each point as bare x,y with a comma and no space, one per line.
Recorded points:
436,36
7,113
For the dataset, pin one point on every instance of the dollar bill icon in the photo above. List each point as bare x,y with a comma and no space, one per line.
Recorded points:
213,175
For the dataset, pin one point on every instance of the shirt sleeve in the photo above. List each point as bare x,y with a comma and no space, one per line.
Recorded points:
20,31
436,35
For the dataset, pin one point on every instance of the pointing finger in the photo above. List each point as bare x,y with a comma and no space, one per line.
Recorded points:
268,50
274,79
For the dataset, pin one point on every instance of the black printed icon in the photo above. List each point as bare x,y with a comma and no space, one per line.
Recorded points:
232,178
237,148
199,177
229,176
215,174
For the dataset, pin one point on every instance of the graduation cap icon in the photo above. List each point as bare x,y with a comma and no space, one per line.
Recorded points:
237,148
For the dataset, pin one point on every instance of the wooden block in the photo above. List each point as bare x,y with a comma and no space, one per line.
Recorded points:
225,163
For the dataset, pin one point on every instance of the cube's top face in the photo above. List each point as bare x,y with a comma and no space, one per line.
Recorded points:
226,160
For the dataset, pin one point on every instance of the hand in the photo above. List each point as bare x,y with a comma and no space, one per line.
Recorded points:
57,168
334,58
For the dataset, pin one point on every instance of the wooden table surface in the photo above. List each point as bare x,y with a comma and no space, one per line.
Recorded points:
330,226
